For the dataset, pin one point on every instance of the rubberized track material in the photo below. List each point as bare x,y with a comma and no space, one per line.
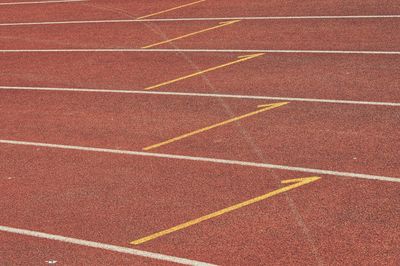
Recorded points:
199,132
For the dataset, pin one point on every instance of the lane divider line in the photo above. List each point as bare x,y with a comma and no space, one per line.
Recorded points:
97,245
203,159
41,2
241,59
263,108
196,19
295,183
211,95
140,50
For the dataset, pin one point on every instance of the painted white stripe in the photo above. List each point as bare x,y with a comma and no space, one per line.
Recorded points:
205,159
41,2
196,19
190,94
125,50
98,245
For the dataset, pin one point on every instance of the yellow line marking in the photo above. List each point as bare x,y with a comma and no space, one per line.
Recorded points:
241,59
221,24
171,9
298,182
264,108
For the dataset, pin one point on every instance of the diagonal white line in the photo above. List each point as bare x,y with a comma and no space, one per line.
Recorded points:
86,243
204,159
213,95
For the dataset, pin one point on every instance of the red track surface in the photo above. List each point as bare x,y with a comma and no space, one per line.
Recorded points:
114,199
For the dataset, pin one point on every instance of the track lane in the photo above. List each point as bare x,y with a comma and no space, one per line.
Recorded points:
366,34
93,35
343,77
324,136
115,203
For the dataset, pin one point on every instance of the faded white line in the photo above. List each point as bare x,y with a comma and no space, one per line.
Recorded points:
212,95
205,159
198,19
86,243
126,50
41,2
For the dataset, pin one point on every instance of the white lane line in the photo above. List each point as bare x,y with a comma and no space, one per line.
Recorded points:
212,95
126,50
41,2
204,159
196,19
98,245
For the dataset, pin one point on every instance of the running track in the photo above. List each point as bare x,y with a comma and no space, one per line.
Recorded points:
122,119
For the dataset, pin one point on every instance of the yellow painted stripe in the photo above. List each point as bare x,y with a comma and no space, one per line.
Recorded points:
221,24
298,182
241,59
171,9
264,108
